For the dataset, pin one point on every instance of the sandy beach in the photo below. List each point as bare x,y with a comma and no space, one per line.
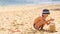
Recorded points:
20,19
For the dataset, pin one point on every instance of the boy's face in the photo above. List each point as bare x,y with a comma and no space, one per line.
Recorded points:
45,15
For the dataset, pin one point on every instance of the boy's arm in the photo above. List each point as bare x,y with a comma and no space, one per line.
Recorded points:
49,21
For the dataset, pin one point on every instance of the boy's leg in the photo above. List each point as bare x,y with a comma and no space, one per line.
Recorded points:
35,27
41,28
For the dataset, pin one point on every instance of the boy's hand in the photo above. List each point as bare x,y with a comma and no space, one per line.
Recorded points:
51,20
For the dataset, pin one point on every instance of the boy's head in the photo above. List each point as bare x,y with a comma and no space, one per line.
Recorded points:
45,12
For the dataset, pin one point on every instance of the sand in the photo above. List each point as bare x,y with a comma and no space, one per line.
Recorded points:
20,19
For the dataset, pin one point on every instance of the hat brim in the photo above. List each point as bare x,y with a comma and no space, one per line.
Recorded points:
45,13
